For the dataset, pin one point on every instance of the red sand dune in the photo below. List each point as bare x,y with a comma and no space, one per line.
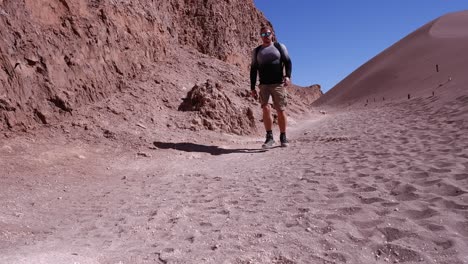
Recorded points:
421,63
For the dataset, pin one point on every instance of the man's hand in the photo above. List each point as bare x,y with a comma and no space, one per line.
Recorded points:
254,94
287,81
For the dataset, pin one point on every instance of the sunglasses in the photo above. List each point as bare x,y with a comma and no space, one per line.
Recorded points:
265,34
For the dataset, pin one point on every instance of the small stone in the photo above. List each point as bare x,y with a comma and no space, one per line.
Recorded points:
214,247
7,148
143,154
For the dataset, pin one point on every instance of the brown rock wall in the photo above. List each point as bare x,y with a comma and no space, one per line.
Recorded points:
57,55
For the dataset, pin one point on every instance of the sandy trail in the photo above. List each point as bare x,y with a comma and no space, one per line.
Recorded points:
377,185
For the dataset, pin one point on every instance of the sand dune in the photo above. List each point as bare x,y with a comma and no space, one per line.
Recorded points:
450,26
431,59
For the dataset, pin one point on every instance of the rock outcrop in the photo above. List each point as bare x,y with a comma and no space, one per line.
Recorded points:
216,111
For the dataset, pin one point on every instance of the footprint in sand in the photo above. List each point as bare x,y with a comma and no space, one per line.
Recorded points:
444,189
404,192
392,234
461,177
396,254
421,214
444,244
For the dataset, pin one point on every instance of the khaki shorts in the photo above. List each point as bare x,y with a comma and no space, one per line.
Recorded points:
277,91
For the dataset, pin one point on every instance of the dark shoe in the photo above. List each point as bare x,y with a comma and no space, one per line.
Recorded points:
284,141
269,142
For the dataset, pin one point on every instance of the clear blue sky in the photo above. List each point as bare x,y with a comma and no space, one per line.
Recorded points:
327,40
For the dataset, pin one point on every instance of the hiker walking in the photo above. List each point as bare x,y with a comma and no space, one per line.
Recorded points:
272,63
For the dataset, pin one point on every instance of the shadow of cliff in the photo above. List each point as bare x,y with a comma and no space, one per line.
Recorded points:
192,147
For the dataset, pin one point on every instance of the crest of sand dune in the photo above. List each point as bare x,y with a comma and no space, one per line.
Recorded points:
451,26
423,62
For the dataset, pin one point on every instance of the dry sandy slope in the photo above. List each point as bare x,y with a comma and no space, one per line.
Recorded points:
429,58
376,185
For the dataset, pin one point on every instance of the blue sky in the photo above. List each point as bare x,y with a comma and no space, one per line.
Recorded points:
328,40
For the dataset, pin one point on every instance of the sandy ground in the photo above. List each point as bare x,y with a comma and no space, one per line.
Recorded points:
386,184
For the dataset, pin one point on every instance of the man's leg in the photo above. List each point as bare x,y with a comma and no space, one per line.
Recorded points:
282,120
267,119
280,97
268,123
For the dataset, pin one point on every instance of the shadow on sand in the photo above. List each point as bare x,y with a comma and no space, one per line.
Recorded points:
213,150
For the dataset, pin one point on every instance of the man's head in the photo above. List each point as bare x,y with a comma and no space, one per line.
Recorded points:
266,34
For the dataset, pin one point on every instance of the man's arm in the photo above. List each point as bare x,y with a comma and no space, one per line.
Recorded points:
287,61
253,77
253,70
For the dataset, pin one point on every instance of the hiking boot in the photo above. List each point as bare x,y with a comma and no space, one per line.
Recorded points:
284,141
269,142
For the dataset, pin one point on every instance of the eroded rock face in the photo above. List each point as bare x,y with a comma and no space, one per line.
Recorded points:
59,55
216,111
308,94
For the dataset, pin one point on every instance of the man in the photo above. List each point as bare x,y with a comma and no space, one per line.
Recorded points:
272,63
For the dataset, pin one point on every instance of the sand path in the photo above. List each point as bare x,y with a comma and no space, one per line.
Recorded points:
375,185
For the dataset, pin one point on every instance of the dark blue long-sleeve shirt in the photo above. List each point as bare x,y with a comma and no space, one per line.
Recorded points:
266,61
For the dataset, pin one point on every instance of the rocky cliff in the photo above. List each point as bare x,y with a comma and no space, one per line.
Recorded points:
63,58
